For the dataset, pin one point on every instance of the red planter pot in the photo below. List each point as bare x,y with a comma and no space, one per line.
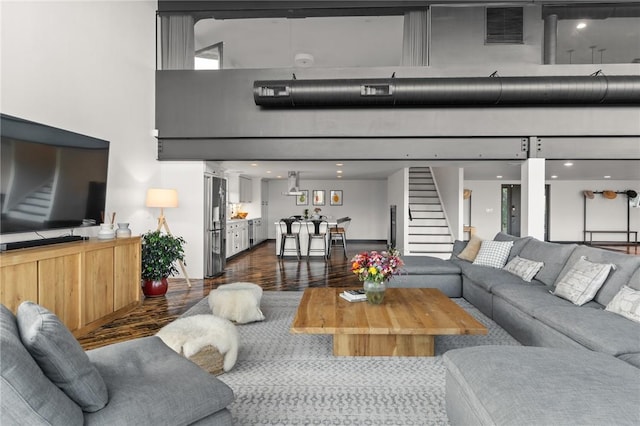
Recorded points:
152,288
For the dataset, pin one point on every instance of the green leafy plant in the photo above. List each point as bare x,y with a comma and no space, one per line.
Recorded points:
160,252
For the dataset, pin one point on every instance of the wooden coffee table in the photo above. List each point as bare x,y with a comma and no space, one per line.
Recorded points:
404,325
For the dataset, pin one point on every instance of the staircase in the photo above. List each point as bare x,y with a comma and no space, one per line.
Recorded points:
429,233
35,207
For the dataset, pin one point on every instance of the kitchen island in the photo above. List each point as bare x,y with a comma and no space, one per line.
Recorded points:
316,244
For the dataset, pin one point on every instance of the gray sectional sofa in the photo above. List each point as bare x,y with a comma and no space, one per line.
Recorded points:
47,379
579,365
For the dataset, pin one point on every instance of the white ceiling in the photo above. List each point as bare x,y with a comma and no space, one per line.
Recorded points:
487,170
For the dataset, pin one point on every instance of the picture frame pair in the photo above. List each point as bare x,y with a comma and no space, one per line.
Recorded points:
318,197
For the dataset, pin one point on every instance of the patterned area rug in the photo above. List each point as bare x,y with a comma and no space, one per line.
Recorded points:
287,379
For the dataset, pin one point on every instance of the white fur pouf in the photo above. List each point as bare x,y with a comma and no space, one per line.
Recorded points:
189,335
239,302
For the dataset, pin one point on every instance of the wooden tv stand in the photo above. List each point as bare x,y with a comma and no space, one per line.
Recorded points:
85,283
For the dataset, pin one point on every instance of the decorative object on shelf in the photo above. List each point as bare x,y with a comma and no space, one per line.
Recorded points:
160,252
106,231
318,197
374,268
306,213
123,230
159,197
335,198
303,198
316,213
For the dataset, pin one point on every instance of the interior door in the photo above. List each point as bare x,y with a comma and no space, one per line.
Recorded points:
511,210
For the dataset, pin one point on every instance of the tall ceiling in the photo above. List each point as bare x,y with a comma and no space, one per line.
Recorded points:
339,42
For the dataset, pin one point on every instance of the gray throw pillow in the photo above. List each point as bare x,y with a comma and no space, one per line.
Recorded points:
61,357
27,396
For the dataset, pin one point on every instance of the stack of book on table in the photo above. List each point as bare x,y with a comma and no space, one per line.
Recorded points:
354,295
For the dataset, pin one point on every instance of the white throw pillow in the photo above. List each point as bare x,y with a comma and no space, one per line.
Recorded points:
524,268
493,253
626,303
581,283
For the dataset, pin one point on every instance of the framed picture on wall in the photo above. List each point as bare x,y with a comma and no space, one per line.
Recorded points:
303,199
318,197
335,197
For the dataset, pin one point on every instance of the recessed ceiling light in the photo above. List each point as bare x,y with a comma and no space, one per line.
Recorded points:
499,176
554,176
339,164
607,177
339,171
268,171
254,164
581,25
279,177
339,177
568,164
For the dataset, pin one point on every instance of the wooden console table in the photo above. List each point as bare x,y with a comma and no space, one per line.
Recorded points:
85,283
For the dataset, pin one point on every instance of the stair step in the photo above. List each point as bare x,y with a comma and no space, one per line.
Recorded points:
430,239
428,230
427,214
419,222
425,208
423,194
431,247
31,200
32,209
25,216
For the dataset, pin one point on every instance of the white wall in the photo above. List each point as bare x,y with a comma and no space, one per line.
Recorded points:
365,201
88,67
566,208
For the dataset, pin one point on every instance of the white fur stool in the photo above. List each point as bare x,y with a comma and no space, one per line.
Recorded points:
204,339
239,302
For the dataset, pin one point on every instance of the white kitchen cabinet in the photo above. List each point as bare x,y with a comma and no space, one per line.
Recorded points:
237,237
239,188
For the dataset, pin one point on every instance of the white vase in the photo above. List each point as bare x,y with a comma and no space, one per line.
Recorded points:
106,231
123,230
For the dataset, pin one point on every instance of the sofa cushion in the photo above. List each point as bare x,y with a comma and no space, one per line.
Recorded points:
626,265
528,297
428,265
471,250
493,253
28,396
503,385
582,281
518,243
151,384
487,277
61,357
633,359
458,246
596,329
554,256
523,268
626,303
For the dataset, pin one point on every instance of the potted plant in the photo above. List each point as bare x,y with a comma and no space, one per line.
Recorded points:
160,252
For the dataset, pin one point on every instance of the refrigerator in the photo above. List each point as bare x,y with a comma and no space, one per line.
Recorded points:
215,221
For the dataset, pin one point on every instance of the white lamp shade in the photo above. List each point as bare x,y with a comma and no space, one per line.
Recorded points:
158,197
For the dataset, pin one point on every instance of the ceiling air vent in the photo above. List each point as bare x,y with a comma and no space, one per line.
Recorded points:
504,25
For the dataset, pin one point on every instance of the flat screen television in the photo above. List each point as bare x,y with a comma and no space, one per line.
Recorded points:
50,178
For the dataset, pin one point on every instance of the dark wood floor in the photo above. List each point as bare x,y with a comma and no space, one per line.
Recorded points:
260,266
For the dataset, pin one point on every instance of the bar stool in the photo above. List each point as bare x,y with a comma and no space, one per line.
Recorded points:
289,229
338,234
317,230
